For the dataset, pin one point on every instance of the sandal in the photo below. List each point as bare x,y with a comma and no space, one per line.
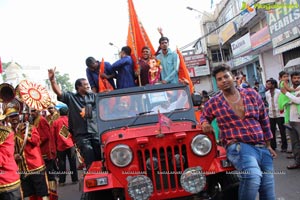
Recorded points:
293,166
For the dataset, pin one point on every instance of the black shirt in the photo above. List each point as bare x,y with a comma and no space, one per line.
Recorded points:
81,127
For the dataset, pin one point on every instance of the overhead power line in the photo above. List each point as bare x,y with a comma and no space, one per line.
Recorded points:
207,34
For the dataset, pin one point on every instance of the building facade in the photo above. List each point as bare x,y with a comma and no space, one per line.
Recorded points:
255,38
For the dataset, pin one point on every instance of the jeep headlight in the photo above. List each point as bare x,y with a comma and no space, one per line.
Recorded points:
193,180
139,187
121,155
201,145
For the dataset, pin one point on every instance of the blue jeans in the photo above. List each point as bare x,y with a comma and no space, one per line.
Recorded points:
90,150
255,167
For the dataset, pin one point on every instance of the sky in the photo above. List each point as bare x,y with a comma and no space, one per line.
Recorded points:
63,33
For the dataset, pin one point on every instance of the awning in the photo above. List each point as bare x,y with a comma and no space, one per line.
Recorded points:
292,63
288,46
240,62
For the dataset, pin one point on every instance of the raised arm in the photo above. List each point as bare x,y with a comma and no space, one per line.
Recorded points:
160,31
293,98
54,85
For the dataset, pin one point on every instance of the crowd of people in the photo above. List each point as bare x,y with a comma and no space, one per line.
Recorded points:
247,126
162,68
33,152
242,122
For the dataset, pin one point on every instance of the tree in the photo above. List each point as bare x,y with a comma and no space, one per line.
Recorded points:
63,81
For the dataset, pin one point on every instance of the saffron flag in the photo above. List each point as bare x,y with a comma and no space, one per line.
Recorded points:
163,120
103,83
183,73
137,37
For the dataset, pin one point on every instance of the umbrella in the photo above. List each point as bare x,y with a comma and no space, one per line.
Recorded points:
292,63
60,104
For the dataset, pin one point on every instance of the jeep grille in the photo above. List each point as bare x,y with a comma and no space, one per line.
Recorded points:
164,166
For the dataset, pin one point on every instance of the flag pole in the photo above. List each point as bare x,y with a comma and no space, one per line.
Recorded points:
160,134
139,78
137,38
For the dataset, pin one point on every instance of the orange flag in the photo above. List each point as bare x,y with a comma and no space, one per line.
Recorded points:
104,85
183,73
137,37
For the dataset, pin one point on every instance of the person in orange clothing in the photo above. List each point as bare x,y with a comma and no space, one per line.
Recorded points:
47,146
9,176
65,147
28,157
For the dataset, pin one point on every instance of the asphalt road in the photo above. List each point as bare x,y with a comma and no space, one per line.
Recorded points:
286,182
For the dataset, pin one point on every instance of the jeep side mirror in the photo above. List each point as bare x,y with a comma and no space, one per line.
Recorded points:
197,99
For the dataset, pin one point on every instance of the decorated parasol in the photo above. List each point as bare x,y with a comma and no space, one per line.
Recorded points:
34,95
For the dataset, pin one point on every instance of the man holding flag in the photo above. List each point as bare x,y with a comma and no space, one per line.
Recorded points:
94,72
137,38
124,69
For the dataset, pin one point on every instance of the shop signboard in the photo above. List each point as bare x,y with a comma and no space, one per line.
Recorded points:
242,60
202,70
260,38
227,32
245,17
199,71
241,45
284,22
194,60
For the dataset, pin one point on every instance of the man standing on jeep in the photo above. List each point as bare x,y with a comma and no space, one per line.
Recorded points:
169,61
246,134
82,117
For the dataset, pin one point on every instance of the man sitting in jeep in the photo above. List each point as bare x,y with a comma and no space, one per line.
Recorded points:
174,100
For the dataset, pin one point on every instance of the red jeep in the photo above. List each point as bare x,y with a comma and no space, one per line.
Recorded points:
153,148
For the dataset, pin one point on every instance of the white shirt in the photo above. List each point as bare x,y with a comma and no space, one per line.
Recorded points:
269,100
178,104
294,116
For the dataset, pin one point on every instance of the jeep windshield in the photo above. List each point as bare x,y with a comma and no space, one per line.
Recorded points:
138,106
143,103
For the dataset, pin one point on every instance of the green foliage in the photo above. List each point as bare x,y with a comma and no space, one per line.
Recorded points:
63,81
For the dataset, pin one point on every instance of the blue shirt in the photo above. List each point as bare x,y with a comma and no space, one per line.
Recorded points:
170,66
93,76
124,72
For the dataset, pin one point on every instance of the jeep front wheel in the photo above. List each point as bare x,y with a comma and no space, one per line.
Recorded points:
225,186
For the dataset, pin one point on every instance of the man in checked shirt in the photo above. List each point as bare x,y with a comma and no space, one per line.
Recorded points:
245,132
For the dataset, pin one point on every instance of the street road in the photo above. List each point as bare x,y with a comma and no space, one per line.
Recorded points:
286,181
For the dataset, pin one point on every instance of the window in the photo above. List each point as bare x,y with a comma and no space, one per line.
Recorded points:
226,54
210,26
228,13
216,56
